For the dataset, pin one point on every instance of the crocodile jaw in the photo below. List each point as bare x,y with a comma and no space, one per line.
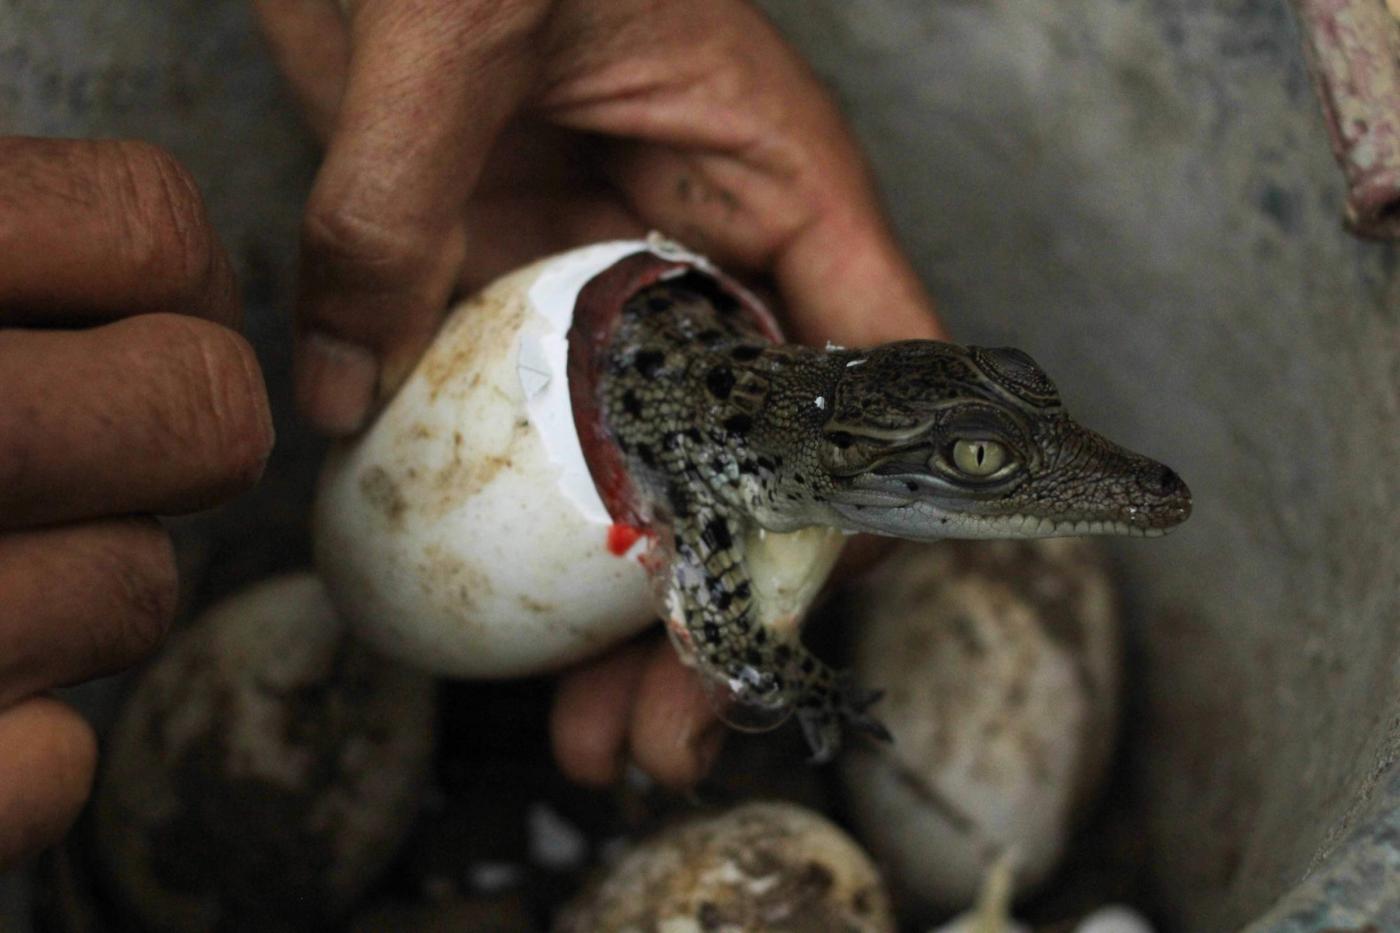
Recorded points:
925,522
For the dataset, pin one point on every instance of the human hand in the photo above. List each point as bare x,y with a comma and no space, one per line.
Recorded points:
465,138
125,394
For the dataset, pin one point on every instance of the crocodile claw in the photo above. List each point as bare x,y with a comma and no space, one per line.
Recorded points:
844,705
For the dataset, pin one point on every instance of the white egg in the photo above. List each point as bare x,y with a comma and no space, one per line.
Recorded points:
1001,665
463,531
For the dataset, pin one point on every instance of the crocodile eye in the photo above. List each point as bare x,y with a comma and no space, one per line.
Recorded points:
978,458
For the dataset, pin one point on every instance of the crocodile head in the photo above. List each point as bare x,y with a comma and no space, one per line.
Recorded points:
933,440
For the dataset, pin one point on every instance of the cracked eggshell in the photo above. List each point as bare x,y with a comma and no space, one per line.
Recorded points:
1001,665
263,771
462,532
761,866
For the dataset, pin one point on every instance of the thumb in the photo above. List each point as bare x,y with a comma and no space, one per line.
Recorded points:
430,85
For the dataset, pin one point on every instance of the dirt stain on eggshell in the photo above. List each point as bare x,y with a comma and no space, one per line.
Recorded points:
467,586
465,361
918,785
472,334
201,854
241,845
382,493
470,471
994,616
530,604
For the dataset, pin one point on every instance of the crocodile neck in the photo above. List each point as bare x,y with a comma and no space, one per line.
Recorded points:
710,416
690,375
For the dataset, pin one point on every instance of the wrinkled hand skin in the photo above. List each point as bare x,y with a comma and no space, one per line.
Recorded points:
465,138
127,394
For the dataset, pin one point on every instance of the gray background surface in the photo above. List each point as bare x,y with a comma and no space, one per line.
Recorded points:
1139,193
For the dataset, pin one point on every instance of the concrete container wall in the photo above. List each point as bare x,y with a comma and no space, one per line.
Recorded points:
1139,192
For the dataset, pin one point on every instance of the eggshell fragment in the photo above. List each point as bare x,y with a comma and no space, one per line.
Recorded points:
1001,665
263,771
762,866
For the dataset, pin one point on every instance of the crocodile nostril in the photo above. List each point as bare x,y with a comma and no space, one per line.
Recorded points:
1166,483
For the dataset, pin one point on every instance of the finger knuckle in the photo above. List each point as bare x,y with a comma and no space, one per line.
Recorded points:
342,241
168,235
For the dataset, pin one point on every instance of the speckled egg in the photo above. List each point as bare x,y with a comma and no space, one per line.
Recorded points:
761,866
263,770
1001,662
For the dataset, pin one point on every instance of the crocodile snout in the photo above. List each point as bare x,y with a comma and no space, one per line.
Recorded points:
1166,483
1170,497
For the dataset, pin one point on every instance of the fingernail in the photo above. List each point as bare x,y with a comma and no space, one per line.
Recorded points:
335,383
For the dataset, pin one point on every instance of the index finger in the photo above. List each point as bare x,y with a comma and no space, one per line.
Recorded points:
92,230
157,413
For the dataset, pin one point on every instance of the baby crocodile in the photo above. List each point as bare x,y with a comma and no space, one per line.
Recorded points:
725,432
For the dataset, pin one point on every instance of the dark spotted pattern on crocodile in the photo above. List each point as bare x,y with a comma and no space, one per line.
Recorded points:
725,432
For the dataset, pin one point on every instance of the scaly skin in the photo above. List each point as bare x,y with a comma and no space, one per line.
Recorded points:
725,432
